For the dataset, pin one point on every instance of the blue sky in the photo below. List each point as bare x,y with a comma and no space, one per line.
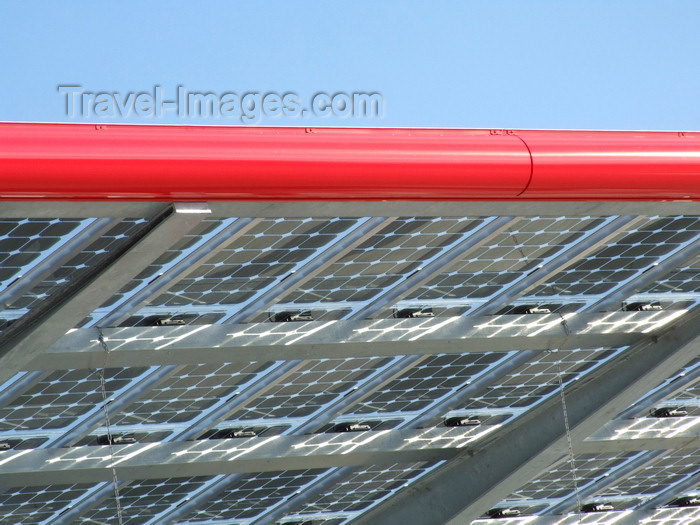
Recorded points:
496,64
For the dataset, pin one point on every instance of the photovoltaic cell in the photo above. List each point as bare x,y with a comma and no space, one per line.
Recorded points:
682,280
168,258
25,242
656,476
431,379
688,398
557,482
82,263
538,378
680,387
259,259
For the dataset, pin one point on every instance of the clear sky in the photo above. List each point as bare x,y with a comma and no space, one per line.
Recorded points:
491,64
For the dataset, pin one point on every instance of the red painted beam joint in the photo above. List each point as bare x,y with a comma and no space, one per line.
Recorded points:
180,163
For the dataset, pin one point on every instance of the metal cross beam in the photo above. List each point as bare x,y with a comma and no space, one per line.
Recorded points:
628,517
511,458
161,345
31,336
624,435
52,209
228,456
261,454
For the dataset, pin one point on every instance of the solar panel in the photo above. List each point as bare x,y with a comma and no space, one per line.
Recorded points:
359,284
632,253
510,255
142,500
384,259
184,394
63,396
362,489
39,503
72,260
655,476
246,497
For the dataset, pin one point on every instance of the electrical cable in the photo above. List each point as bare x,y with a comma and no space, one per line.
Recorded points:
101,373
572,461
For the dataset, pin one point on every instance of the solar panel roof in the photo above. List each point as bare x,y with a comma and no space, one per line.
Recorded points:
326,365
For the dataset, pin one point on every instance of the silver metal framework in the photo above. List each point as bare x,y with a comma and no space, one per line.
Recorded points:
160,345
528,447
356,209
293,382
261,454
29,342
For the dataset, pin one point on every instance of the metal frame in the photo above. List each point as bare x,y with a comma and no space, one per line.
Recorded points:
315,208
227,456
190,344
537,440
62,252
169,346
260,454
28,337
181,268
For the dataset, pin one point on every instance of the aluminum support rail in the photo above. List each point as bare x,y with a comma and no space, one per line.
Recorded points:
190,344
515,456
31,335
330,209
265,454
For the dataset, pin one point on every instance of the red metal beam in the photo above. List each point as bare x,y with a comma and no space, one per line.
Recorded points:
179,163
594,165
